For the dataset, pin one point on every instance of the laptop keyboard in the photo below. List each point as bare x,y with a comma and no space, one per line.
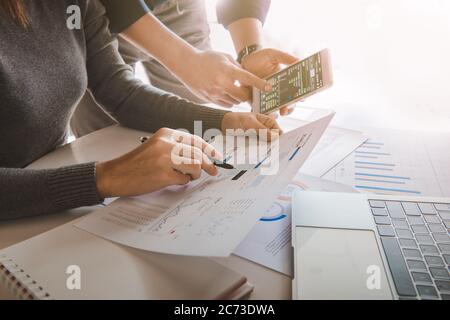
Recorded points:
416,242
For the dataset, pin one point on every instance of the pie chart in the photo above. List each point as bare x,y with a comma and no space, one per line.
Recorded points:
275,213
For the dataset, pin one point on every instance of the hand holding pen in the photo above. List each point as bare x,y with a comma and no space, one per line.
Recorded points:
217,163
168,158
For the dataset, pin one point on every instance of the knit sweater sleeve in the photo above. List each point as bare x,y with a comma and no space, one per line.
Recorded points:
26,193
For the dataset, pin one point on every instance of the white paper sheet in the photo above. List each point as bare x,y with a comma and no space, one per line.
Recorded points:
269,242
398,163
334,146
209,217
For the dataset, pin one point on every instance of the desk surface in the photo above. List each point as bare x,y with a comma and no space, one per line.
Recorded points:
104,145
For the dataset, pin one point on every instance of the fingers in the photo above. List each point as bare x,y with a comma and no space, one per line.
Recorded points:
270,124
241,94
249,79
281,57
286,111
187,166
268,121
193,140
178,178
191,160
265,126
227,93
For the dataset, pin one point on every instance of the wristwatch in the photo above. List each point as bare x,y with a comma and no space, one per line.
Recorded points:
247,51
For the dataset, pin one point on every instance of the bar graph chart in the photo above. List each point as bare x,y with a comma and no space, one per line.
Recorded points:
397,163
372,173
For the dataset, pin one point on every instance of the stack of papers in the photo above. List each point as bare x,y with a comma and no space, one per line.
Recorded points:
213,215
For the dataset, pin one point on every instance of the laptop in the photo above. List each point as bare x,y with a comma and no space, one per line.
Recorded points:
361,246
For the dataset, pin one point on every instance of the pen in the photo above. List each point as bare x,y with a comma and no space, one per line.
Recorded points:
223,165
219,164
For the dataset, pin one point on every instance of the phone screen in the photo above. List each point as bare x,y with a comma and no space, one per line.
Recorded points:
292,83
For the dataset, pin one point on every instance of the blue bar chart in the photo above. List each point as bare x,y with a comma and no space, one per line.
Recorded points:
372,173
394,164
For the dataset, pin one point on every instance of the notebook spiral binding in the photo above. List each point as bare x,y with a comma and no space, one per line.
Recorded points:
18,282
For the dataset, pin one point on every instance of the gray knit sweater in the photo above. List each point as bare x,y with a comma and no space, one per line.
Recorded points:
44,71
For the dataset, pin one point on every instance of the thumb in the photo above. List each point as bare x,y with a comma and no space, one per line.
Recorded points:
270,127
282,57
268,122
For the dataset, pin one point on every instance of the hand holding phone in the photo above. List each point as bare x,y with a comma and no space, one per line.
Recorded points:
296,82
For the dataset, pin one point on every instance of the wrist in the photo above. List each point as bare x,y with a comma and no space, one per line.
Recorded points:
192,59
102,180
245,32
247,51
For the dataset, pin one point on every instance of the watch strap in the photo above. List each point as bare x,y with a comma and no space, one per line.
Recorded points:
247,51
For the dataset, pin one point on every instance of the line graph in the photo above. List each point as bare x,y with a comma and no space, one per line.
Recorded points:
181,215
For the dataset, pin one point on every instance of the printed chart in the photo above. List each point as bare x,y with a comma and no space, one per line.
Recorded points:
269,242
398,163
212,216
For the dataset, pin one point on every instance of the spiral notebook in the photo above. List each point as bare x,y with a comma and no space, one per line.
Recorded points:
37,269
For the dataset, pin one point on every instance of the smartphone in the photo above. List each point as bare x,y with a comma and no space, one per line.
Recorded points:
298,81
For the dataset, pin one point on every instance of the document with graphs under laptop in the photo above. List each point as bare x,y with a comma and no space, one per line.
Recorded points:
212,215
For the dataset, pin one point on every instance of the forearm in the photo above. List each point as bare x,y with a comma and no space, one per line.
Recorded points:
246,32
149,109
163,45
133,103
27,193
140,106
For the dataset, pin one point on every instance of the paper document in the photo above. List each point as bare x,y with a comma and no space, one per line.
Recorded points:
209,217
269,242
398,163
334,146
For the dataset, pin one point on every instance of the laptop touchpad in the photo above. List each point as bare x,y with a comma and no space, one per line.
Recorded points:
338,264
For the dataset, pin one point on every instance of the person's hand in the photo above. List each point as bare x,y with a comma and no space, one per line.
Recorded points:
168,158
216,77
266,126
266,62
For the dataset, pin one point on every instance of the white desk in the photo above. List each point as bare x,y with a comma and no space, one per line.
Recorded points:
105,145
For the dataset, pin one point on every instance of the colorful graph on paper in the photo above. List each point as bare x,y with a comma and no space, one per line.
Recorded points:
269,243
394,162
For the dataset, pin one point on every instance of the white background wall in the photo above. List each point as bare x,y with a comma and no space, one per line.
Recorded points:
391,57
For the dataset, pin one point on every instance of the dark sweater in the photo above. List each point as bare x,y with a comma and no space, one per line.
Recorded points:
44,72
